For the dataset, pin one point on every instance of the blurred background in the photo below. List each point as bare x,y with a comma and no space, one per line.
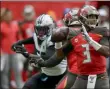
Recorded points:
17,22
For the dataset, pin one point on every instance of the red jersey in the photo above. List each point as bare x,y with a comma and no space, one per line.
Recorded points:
89,61
27,30
9,35
72,62
72,57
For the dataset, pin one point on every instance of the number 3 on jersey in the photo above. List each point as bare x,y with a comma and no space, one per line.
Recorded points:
86,53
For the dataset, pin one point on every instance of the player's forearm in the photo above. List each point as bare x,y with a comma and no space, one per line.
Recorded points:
55,59
104,50
26,41
51,62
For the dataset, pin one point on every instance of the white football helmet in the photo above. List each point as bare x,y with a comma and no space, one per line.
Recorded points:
44,25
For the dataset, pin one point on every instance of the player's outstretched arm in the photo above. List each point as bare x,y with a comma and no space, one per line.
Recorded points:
51,62
21,42
61,52
25,41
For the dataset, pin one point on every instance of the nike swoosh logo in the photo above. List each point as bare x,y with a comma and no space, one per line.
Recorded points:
44,79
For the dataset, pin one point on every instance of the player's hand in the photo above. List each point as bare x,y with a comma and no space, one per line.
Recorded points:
13,47
86,35
19,49
34,60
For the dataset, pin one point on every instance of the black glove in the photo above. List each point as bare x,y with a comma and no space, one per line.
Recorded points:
34,60
16,44
22,50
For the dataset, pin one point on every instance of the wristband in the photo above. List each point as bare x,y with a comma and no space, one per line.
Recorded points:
58,45
95,45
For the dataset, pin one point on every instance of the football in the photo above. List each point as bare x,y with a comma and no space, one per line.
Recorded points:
59,34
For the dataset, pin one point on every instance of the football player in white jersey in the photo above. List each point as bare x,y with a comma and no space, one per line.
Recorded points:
44,25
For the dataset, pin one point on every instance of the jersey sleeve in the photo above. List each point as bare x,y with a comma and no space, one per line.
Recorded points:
105,33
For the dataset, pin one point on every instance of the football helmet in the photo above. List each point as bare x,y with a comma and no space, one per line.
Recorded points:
71,18
44,25
89,16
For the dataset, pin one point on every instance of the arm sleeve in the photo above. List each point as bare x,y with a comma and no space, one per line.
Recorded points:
26,41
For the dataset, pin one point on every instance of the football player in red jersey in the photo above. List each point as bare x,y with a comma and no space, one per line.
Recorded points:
91,48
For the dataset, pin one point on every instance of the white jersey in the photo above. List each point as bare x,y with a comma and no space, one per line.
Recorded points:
53,71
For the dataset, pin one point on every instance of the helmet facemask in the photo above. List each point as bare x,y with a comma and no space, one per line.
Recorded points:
43,26
89,16
42,32
91,20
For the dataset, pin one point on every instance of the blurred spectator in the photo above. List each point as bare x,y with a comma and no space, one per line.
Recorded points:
26,29
108,66
66,10
104,16
10,62
60,23
2,12
104,22
52,14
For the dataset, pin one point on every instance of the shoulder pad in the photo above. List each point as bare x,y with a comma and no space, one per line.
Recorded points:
73,32
101,31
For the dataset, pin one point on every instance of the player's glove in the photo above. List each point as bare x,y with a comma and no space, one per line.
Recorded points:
34,60
22,50
16,44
